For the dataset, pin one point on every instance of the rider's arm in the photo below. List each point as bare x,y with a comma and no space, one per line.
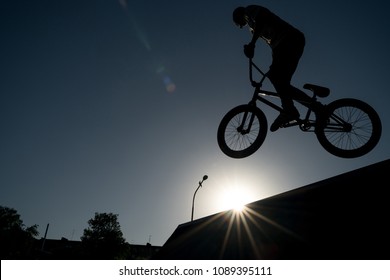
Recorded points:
256,16
255,36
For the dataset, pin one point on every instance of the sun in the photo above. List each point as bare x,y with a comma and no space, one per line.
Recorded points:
234,199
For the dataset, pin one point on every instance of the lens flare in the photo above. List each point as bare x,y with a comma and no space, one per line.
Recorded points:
169,85
141,35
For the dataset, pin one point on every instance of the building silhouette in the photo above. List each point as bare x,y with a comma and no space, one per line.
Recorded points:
343,217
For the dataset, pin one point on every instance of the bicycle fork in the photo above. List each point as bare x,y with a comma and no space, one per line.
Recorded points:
245,127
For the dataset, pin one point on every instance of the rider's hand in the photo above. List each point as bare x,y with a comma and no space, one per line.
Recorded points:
249,50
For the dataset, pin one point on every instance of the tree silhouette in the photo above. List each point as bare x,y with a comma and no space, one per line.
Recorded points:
16,240
103,239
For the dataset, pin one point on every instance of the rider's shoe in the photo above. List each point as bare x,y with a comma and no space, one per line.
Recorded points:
284,118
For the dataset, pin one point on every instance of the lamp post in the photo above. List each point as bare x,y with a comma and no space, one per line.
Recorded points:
193,199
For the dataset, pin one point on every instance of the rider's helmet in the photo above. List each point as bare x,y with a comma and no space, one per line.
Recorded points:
239,17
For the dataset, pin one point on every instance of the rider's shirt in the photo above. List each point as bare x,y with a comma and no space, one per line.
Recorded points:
267,25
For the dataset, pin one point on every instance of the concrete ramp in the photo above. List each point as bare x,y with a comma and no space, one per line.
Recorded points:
343,217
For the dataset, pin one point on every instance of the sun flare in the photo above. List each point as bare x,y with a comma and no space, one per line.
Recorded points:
234,200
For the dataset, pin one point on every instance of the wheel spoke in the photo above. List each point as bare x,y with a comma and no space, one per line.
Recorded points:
352,128
242,131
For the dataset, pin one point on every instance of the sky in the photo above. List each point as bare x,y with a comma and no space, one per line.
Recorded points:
112,106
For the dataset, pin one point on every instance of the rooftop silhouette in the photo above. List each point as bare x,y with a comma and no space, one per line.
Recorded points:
343,217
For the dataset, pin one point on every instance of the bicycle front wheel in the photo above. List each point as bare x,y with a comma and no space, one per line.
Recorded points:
242,131
350,128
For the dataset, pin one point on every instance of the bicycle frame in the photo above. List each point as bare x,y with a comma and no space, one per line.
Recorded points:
305,123
345,127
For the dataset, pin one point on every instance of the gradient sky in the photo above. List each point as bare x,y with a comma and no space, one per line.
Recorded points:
113,106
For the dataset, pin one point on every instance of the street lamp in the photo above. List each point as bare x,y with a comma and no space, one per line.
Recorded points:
193,199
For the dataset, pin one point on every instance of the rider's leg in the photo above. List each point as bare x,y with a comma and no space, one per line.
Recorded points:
290,112
280,79
305,99
299,95
285,58
284,89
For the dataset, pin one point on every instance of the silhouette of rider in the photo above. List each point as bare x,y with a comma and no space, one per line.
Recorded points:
287,44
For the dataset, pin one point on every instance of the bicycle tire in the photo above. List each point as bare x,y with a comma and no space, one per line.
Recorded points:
361,134
236,144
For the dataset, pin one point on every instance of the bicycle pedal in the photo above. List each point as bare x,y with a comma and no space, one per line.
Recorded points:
287,124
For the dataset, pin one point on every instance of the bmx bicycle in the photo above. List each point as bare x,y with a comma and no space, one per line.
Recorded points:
347,128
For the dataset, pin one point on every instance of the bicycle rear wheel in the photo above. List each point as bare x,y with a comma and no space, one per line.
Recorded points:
242,131
350,128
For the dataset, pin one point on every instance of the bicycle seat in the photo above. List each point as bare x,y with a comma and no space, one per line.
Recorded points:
318,90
